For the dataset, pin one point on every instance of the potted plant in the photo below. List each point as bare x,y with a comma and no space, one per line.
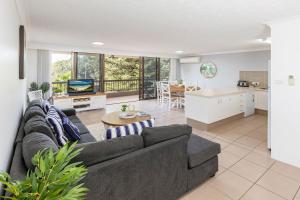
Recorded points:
33,86
54,177
123,110
45,86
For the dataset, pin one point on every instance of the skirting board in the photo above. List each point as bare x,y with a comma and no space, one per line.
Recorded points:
206,127
261,112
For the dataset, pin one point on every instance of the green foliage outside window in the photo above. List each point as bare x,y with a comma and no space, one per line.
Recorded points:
116,68
121,67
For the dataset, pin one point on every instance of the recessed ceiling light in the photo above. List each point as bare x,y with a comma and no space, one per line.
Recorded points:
179,51
98,43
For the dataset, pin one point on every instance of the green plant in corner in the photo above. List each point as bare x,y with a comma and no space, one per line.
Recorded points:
54,177
33,86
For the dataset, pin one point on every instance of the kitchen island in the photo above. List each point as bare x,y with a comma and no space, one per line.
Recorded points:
207,109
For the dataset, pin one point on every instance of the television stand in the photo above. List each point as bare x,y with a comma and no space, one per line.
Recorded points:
81,102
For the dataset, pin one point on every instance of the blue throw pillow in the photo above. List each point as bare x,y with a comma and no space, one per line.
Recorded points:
135,128
55,122
71,130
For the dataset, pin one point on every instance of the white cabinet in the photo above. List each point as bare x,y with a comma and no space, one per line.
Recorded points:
212,109
63,103
81,103
261,100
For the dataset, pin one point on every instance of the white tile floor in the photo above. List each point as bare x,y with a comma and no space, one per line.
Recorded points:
246,170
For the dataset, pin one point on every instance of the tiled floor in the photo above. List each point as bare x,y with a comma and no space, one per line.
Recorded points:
246,170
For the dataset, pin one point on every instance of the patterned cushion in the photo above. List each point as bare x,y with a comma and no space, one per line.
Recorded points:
46,105
55,122
71,130
135,128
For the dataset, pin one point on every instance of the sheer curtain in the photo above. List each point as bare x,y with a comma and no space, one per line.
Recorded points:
174,70
44,68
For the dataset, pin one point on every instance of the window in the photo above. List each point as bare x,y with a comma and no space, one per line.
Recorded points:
165,64
88,66
61,71
121,67
61,67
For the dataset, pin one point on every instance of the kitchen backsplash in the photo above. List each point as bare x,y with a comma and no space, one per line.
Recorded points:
255,76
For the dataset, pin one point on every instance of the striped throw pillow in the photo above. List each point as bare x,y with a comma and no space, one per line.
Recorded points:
46,105
56,124
129,129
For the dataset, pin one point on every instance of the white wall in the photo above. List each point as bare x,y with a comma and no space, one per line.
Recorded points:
31,71
228,66
285,99
12,90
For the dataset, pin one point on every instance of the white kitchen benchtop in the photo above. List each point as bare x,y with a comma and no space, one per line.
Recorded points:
222,92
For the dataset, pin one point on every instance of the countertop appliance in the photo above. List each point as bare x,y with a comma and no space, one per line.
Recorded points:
242,83
249,108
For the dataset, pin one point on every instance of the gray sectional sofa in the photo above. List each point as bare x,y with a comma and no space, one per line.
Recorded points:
161,164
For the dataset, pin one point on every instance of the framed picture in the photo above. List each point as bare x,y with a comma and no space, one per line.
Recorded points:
21,51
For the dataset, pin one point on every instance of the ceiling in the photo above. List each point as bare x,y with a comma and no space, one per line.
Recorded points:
158,27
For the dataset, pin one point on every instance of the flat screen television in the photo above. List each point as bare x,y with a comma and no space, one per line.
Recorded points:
80,86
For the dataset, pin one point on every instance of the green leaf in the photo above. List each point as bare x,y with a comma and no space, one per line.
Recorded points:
54,177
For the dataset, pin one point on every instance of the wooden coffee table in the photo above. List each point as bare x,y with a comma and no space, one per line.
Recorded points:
112,119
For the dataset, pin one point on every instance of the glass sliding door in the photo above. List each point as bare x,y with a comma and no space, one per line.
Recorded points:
164,68
88,67
149,76
61,71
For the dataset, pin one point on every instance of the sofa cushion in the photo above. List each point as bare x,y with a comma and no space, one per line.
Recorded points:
33,111
81,127
97,152
36,102
74,119
85,138
39,124
155,135
18,169
33,143
135,128
69,111
54,120
201,150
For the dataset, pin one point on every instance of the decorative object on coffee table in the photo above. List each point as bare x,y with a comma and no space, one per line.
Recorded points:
113,119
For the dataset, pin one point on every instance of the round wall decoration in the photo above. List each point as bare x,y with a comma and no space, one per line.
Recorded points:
208,70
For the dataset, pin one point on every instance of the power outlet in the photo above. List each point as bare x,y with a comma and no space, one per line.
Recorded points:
291,80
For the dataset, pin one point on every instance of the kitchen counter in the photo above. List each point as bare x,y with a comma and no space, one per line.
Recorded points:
206,109
209,93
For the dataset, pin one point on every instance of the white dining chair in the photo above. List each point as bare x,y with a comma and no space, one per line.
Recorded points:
158,91
188,88
167,95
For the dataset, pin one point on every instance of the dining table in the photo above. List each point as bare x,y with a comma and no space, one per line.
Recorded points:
180,89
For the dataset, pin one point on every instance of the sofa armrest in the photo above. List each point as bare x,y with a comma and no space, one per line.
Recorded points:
69,111
156,135
96,152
